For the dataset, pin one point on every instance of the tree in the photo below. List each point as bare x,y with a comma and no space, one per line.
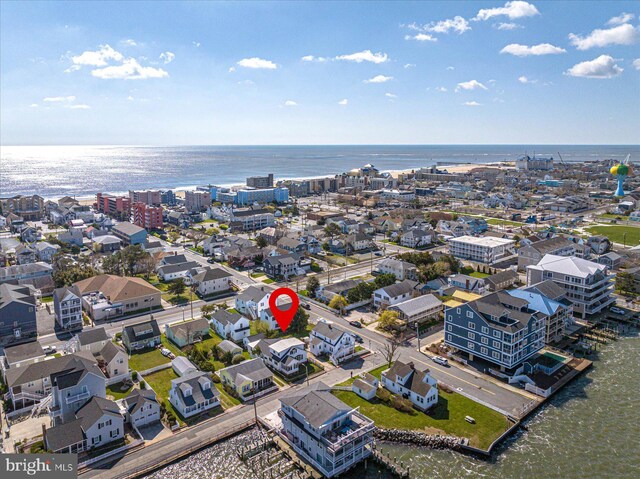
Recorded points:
300,322
385,279
312,286
332,230
388,320
261,242
207,309
66,271
176,287
338,302
326,246
390,349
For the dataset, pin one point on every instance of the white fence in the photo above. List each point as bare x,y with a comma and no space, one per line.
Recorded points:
118,378
113,452
155,369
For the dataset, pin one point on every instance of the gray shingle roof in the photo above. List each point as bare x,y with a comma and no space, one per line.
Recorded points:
94,409
23,351
316,404
92,336
194,381
329,331
254,369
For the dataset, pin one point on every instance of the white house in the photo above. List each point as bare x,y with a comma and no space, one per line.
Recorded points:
141,407
418,386
418,310
365,386
285,356
252,302
67,305
212,281
113,360
400,269
394,294
230,325
416,238
329,339
193,393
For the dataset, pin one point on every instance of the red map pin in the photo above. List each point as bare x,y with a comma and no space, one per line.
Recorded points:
284,318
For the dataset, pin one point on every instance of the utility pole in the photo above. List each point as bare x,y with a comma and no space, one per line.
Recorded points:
418,334
255,406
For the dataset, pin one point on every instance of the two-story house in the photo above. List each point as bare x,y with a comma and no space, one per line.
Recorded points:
145,334
184,333
248,379
252,301
67,305
333,341
286,356
141,407
233,326
194,393
394,294
407,381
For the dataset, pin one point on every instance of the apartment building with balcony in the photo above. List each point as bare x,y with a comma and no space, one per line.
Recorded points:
588,285
533,253
498,328
149,197
28,207
487,250
113,205
67,305
324,430
145,216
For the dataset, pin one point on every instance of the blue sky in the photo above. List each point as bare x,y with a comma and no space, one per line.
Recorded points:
320,73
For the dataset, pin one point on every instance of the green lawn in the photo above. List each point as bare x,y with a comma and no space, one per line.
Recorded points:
226,400
499,222
268,281
46,299
616,233
377,372
170,346
477,274
447,417
160,382
116,391
147,360
256,275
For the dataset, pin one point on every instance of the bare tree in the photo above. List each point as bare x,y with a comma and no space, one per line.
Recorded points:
390,348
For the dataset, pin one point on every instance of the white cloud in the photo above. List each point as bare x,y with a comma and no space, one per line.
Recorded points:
130,98
311,58
472,103
232,69
196,44
470,85
290,103
73,68
246,82
129,42
129,70
34,105
60,99
515,9
441,88
524,79
636,63
167,57
365,56
257,63
379,79
506,26
621,35
391,95
456,24
409,65
450,68
526,50
421,37
98,58
343,102
620,19
79,107
602,67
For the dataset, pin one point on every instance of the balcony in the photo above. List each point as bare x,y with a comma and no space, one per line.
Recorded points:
78,397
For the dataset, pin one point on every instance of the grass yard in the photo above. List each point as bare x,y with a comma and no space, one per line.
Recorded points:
377,373
477,274
170,346
616,233
211,341
160,382
147,360
226,400
257,275
268,281
499,222
117,392
447,417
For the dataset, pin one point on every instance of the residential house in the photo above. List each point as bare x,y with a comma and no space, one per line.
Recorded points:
37,275
418,310
329,339
358,243
248,379
292,245
467,283
129,233
187,332
599,244
394,294
141,407
145,334
533,253
323,430
212,281
416,238
252,302
227,346
611,260
46,251
22,355
365,386
285,356
73,236
502,280
26,254
113,360
342,288
67,306
283,266
400,269
106,243
498,328
17,314
108,296
172,271
194,393
96,424
233,326
587,284
251,219
91,340
418,386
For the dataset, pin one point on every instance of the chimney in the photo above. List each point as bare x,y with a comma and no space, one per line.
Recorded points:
411,365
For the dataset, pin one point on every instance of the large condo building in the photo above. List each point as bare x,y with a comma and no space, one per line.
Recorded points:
146,216
28,207
149,197
499,328
486,250
260,181
528,163
324,430
111,205
587,284
196,201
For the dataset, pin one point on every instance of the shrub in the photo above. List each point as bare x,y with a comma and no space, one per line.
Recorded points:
143,385
384,395
207,366
216,379
237,359
445,388
401,404
134,375
118,336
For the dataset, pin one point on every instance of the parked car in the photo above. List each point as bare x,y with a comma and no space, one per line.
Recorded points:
306,306
358,338
378,253
355,324
165,352
211,260
440,360
617,310
50,349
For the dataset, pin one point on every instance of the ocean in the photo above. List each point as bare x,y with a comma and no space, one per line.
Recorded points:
81,171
